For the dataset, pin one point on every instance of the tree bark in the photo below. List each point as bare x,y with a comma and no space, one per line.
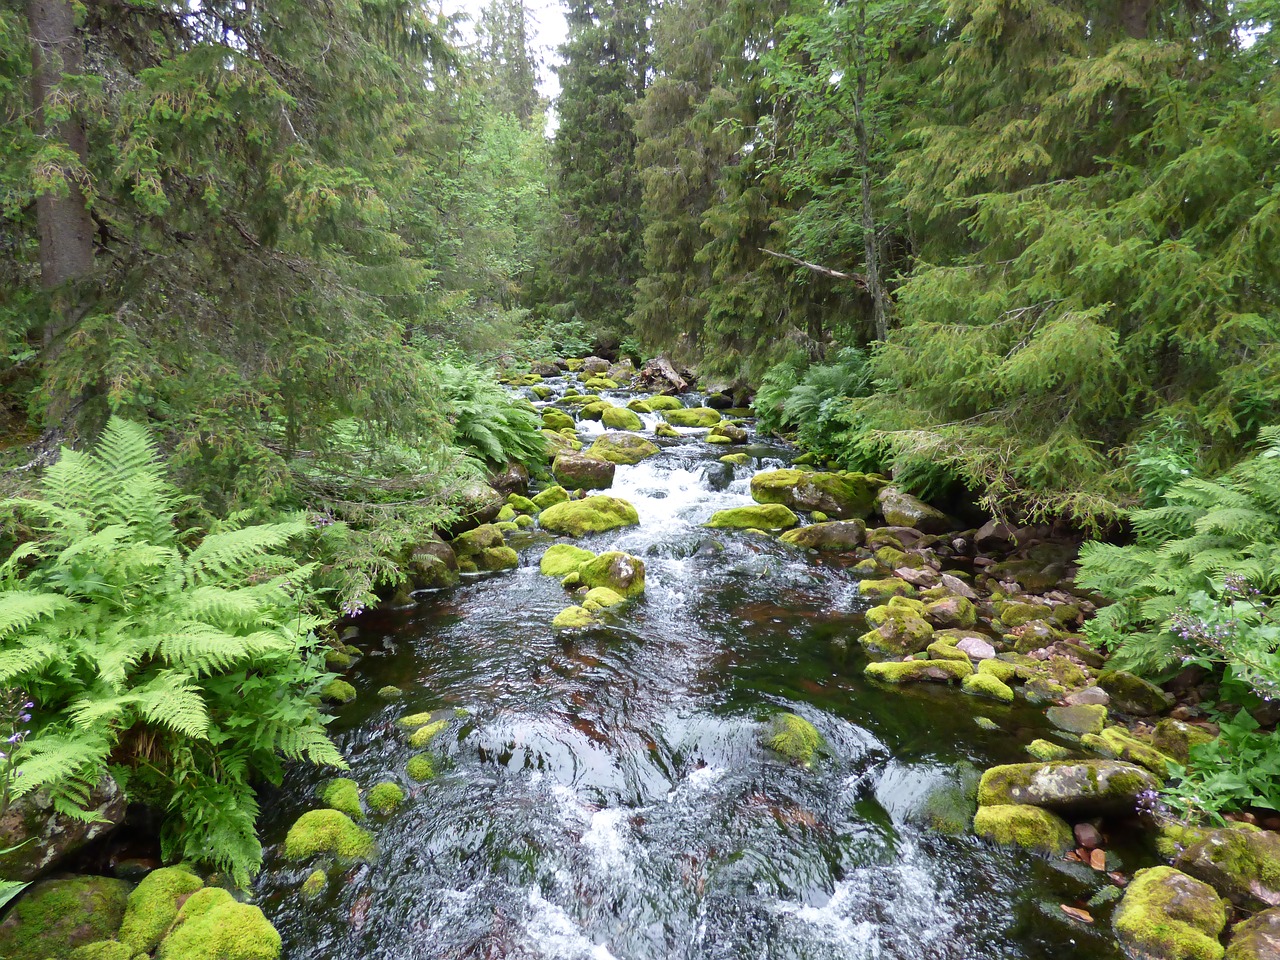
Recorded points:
870,240
66,230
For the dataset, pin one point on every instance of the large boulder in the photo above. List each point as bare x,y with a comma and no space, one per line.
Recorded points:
577,518
1167,915
773,516
833,535
212,925
432,565
557,419
581,472
592,366
154,905
900,509
918,671
1257,938
513,478
692,417
620,572
35,837
55,917
562,559
1020,825
663,404
620,418
1242,865
622,448
1068,786
844,496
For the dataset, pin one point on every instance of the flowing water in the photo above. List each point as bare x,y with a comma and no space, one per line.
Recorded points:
607,794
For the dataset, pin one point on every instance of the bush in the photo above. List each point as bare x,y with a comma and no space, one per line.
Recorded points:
187,669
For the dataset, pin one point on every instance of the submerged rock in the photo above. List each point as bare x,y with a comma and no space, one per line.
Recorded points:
843,496
1068,786
795,738
833,535
1086,718
622,448
1167,915
597,514
578,471
54,917
1025,826
766,517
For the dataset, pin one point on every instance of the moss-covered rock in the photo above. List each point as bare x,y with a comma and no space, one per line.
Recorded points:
794,737
1167,915
213,926
1176,738
916,671
314,886
1047,750
1002,670
639,405
1257,938
1242,865
338,691
622,448
602,598
421,767
725,432
597,514
952,613
581,399
557,419
327,833
845,496
497,558
662,404
573,618
900,509
1118,743
426,733
737,459
54,917
949,806
385,797
1014,613
472,542
666,430
1133,695
1085,718
102,950
343,794
942,650
550,497
691,417
766,517
1068,786
833,535
390,692
620,572
620,418
521,504
578,471
562,559
153,906
507,514
985,685
883,589
1025,826
898,631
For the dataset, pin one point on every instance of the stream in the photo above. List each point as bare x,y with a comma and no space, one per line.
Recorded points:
607,794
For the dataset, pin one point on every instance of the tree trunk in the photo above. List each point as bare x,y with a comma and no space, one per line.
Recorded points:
870,240
65,227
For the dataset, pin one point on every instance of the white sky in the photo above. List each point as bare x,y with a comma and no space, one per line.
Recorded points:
549,32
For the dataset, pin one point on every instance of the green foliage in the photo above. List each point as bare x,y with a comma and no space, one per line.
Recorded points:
1237,770
814,402
490,424
188,668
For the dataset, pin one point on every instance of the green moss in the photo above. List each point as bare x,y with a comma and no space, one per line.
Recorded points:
620,572
507,513
639,406
421,767
54,917
572,581
773,516
1119,743
985,685
666,430
390,693
337,659
841,495
662,404
909,671
899,633
426,733
498,558
620,418
343,794
1046,750
941,650
1132,694
1019,825
1168,914
1015,614
795,738
691,417
385,797
1002,670
222,930
562,559
577,518
506,527
1242,864
1176,738
524,522
623,448
1083,718
314,886
601,598
1068,785
412,721
573,618
736,459
550,497
338,691
986,723
102,950
557,419
883,589
327,832
153,906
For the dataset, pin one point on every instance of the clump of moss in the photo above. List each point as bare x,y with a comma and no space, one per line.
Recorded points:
343,794
385,797
1166,913
421,767
1028,827
773,516
1046,750
57,916
390,692
102,950
1002,670
985,685
907,671
338,691
425,734
327,832
337,659
795,738
601,598
154,904
573,618
884,589
213,926
1117,742
314,885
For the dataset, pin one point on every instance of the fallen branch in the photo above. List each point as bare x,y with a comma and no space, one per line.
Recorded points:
857,278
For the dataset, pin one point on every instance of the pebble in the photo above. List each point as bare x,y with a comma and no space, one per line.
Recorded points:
1087,835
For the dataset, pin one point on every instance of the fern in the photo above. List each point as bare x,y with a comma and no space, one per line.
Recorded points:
488,422
191,670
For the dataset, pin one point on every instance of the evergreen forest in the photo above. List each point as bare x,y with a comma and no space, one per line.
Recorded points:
287,288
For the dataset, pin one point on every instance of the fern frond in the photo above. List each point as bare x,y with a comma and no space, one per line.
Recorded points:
19,609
